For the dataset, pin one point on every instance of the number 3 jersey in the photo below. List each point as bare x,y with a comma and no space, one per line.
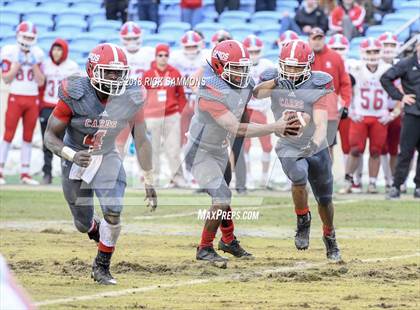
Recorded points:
55,73
370,99
93,124
24,82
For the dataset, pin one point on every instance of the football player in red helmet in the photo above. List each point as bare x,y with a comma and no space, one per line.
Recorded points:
287,36
390,46
220,36
296,90
340,44
92,111
21,70
222,97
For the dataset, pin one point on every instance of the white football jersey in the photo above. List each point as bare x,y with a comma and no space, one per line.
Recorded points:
186,66
54,75
370,99
256,70
24,82
140,61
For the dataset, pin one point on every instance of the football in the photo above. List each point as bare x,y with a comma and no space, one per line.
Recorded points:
302,119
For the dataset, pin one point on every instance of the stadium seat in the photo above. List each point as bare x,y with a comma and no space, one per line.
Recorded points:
85,11
272,55
86,6
156,39
7,30
21,5
375,31
240,31
97,17
247,6
75,54
233,17
289,5
72,28
208,29
97,2
394,18
210,17
353,54
54,8
39,18
9,17
265,18
170,16
147,26
105,25
70,16
355,43
269,29
176,29
85,45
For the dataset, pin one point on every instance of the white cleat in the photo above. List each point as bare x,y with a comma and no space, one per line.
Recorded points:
27,180
372,188
2,181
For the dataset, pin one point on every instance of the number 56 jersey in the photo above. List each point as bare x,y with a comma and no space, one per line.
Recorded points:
370,99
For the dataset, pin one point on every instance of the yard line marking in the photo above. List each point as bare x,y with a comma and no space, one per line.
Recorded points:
118,293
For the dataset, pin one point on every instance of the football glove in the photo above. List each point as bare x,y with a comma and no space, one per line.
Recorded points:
151,198
344,112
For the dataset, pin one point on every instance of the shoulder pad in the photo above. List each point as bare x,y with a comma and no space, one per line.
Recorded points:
214,88
135,94
72,87
251,83
269,74
321,78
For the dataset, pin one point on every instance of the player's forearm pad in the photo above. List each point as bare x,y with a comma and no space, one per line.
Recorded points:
68,153
148,177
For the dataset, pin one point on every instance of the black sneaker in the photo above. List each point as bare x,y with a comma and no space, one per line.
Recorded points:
95,234
101,274
46,179
302,231
417,192
209,254
234,248
333,252
394,193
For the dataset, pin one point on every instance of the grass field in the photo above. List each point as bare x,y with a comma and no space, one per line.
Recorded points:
155,266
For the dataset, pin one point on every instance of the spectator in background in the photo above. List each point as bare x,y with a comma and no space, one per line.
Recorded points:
55,68
327,6
116,9
221,5
381,8
164,102
329,61
191,11
308,16
348,18
148,10
408,70
265,5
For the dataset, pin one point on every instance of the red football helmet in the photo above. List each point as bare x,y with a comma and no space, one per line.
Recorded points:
340,44
220,36
130,34
26,35
370,51
295,61
286,36
230,60
107,69
390,46
191,42
254,45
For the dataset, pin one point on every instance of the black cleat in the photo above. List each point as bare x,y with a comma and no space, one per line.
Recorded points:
46,179
95,234
101,274
210,255
394,193
417,192
333,252
234,248
302,231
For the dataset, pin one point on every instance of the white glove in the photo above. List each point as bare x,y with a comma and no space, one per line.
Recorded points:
386,118
355,117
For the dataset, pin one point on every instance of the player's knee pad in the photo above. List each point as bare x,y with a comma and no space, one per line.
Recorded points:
298,176
112,218
355,151
82,226
221,195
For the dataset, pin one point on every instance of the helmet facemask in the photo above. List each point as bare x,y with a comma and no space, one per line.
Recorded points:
26,40
371,56
389,51
191,51
341,50
294,71
131,43
237,73
110,79
254,55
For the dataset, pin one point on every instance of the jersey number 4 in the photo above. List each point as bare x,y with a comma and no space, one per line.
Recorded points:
95,141
377,100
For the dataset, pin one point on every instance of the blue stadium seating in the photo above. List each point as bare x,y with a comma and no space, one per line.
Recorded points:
240,31
105,25
147,26
272,55
289,5
170,16
8,40
73,27
9,17
6,30
39,17
355,43
265,18
155,39
233,17
96,17
394,18
354,54
270,29
87,6
375,31
175,29
53,7
70,16
22,5
208,29
210,17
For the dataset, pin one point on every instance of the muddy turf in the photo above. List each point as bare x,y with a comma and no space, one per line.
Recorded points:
155,267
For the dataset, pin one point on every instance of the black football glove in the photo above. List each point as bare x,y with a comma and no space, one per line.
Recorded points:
344,112
151,198
284,84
